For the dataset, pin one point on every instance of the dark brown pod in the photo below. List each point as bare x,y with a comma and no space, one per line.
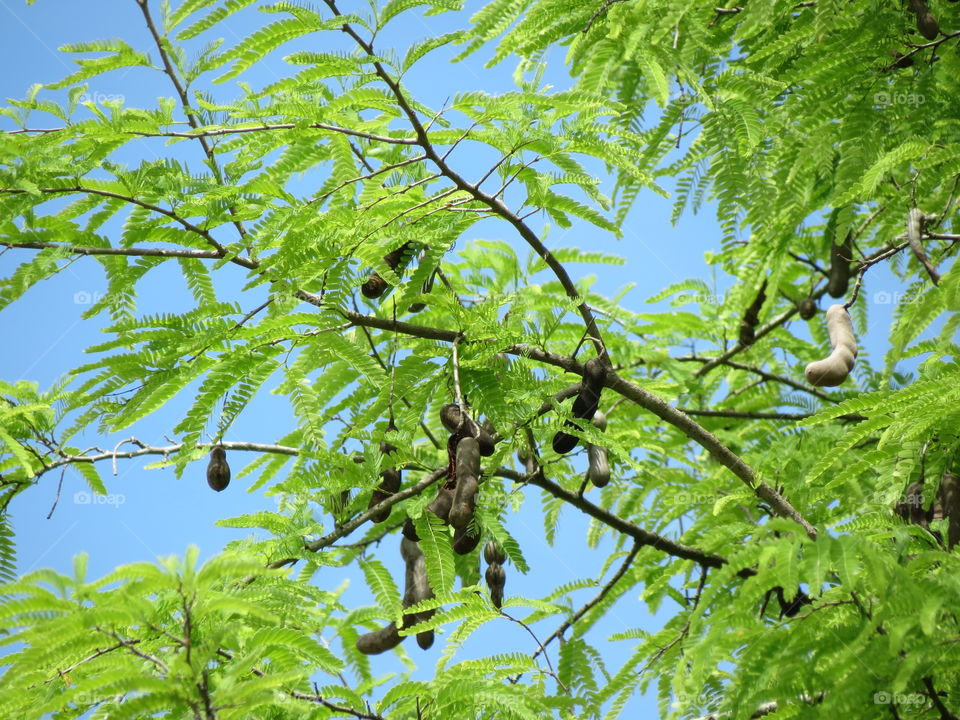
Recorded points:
417,589
752,316
441,504
390,481
465,493
218,472
378,641
410,530
901,61
591,386
564,442
450,417
839,277
464,543
790,608
417,307
496,578
374,287
807,308
493,554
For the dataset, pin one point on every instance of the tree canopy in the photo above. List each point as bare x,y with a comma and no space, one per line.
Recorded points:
795,522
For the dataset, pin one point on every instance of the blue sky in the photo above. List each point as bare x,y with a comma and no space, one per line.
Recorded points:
151,513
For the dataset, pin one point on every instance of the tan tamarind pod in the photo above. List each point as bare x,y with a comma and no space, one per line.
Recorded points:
598,466
465,493
807,308
464,543
833,370
378,641
839,277
496,578
218,472
493,554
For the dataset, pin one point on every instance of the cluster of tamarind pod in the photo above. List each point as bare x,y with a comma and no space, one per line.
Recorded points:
495,576
416,589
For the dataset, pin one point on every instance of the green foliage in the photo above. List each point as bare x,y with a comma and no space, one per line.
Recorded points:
791,119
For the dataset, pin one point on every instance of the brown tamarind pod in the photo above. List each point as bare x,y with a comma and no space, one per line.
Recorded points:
464,543
390,481
441,504
949,496
218,472
496,578
926,22
752,316
839,277
410,530
378,641
901,61
468,473
564,442
493,554
598,467
457,422
591,386
416,589
807,308
375,285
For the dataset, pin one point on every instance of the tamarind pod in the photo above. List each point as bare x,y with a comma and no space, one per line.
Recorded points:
752,316
833,370
910,508
390,481
378,641
591,386
450,417
807,308
493,554
410,530
839,277
218,472
600,421
793,606
901,61
950,500
915,220
416,590
564,442
485,438
425,639
496,578
464,543
598,468
464,501
468,460
441,504
375,285
926,23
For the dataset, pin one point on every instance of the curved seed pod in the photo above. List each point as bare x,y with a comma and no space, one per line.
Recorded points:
926,23
752,316
218,472
463,543
416,589
450,417
591,386
493,554
390,481
807,308
949,495
564,442
793,606
378,641
598,467
834,369
465,493
839,277
915,221
441,504
901,61
375,285
496,578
